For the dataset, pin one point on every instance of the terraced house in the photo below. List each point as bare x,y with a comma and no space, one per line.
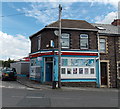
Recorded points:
89,55
109,47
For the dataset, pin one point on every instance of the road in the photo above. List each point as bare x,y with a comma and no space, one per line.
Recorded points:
16,95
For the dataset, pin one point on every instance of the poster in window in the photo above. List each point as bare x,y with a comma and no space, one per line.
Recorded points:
33,62
89,62
69,70
80,62
76,62
92,71
86,62
74,70
64,62
86,71
63,71
80,70
72,62
69,62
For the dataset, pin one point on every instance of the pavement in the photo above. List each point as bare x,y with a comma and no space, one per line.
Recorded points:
31,83
37,85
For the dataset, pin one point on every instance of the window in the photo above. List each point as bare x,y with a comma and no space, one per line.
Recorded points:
64,62
33,62
65,40
86,71
39,43
102,45
92,71
74,70
63,71
80,70
101,28
76,67
84,41
119,69
69,70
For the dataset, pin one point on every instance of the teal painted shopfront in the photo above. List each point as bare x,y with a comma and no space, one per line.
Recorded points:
76,66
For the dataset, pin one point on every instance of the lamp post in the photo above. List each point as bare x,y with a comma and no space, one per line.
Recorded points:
59,48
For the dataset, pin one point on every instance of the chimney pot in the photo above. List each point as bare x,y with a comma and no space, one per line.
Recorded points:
116,22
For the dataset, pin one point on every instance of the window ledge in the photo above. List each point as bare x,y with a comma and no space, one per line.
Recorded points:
103,53
118,78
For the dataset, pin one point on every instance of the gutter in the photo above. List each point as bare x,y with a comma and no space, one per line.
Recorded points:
63,28
74,29
115,61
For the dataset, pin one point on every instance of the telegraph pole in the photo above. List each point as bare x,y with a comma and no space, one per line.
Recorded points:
59,47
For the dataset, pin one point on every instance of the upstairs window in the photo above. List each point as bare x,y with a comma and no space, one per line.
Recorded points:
118,68
65,40
83,41
102,45
39,43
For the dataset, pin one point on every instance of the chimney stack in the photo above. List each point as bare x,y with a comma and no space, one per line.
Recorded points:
116,22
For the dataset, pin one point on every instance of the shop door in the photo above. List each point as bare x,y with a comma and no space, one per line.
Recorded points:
103,73
49,69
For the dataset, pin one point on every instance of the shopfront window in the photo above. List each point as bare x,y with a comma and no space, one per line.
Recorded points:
78,62
78,67
86,71
74,70
92,71
64,62
33,62
63,70
80,70
69,70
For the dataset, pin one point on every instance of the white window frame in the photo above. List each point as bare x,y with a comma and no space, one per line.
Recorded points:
67,36
39,43
104,45
118,67
73,76
82,37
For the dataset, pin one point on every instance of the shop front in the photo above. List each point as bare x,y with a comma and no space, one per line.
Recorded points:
76,66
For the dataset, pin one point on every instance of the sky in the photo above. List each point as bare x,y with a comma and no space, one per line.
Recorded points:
20,19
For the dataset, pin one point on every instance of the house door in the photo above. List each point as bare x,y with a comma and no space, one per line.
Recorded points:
49,69
103,73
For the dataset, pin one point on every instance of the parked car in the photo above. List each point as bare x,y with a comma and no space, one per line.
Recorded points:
0,73
9,74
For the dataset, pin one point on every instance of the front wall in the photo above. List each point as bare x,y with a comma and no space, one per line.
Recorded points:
75,39
110,55
34,43
48,35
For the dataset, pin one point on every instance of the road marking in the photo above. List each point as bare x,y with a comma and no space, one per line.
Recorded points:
33,97
26,97
30,89
18,96
2,86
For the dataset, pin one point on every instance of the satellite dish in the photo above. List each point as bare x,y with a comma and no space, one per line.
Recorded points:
56,32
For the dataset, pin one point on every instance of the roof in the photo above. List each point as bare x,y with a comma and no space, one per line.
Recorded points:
72,24
106,28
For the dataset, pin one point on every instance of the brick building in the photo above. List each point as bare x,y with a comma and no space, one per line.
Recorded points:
82,63
109,36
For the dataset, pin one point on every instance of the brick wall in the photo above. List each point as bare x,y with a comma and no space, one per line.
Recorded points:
48,35
112,44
